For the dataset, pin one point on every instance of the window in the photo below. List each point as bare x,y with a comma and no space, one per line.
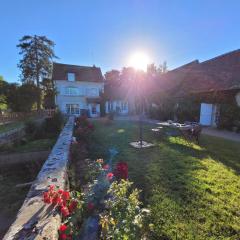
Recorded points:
92,92
72,109
124,106
94,109
71,77
71,91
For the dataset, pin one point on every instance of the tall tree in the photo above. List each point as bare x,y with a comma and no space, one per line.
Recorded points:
36,63
3,89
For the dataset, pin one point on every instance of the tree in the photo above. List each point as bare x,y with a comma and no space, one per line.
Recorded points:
3,88
49,93
151,69
36,63
22,98
162,68
112,76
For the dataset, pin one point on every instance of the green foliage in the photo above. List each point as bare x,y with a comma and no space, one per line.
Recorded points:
36,64
188,110
124,218
229,117
3,88
49,93
168,108
192,191
37,58
22,98
30,127
53,125
83,129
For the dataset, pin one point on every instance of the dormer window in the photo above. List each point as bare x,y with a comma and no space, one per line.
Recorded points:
71,77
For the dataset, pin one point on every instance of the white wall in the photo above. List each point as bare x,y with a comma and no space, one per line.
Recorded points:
62,98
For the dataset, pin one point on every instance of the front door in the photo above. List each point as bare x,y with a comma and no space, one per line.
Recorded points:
206,114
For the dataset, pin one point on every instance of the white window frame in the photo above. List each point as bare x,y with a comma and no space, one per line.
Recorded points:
69,91
72,108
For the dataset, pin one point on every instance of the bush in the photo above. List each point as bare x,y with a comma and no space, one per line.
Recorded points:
229,117
124,218
83,129
53,126
30,127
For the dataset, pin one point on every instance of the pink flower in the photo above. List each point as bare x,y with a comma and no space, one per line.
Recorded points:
106,167
109,176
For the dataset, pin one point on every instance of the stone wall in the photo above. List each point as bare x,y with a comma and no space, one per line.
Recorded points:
35,219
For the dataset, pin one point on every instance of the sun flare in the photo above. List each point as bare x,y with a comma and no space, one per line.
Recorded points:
139,60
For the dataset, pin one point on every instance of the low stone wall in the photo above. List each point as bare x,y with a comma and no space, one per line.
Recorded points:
35,219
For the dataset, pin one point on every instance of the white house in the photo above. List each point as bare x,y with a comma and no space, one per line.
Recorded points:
78,89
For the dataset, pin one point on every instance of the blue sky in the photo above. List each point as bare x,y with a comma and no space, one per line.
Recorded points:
105,33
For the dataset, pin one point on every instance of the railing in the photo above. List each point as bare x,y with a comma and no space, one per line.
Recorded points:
17,116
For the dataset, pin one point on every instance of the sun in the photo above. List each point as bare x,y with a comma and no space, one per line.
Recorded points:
139,60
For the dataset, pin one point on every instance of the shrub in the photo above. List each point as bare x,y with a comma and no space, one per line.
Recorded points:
30,127
124,218
229,117
83,129
53,126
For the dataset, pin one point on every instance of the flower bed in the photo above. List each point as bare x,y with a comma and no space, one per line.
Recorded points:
101,203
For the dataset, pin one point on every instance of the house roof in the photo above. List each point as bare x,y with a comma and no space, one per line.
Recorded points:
82,73
217,74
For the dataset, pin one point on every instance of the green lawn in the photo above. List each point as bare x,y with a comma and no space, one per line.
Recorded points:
10,126
30,146
193,191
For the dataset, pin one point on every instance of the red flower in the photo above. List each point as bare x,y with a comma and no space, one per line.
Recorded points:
63,236
121,170
65,195
63,228
65,211
73,206
109,176
106,167
90,206
90,126
60,191
51,187
47,198
56,200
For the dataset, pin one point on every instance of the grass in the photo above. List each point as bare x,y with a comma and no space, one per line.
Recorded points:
30,146
193,191
12,197
9,126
